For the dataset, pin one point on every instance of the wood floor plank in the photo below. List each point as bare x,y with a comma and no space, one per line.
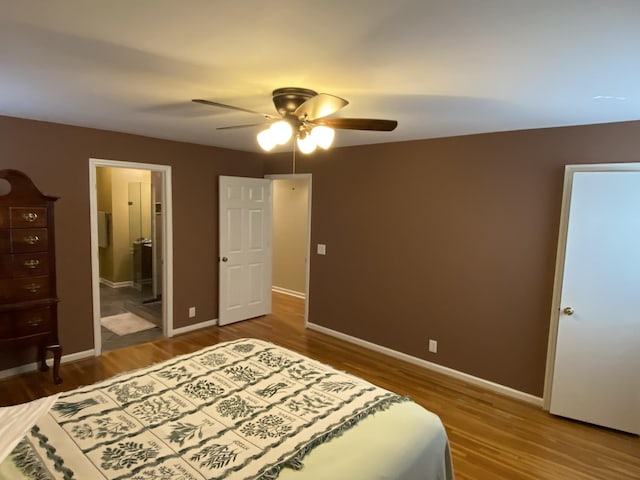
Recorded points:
492,436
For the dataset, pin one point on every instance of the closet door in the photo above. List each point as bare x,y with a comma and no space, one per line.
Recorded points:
597,357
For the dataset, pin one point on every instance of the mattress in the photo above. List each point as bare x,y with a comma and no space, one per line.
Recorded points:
245,409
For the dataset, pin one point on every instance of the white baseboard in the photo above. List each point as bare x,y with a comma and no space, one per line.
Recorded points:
286,291
32,367
196,326
111,284
496,387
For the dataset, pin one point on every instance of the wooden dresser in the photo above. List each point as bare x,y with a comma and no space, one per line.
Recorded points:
28,302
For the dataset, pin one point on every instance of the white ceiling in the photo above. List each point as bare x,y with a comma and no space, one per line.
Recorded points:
439,67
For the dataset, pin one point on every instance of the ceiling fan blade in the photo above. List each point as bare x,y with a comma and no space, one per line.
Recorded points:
231,107
358,124
319,106
241,126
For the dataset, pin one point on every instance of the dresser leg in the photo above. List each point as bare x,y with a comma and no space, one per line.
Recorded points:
57,354
42,358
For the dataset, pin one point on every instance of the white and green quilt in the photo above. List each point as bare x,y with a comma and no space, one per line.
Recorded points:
237,410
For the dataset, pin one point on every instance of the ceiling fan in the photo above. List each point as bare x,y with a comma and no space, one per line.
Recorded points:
305,114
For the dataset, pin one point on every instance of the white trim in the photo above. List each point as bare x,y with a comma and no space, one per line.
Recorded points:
557,286
167,254
32,367
465,377
167,244
195,326
286,291
308,177
111,284
569,170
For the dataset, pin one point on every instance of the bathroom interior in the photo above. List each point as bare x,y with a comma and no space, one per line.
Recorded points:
130,255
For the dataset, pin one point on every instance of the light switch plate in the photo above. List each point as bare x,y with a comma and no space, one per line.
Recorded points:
322,249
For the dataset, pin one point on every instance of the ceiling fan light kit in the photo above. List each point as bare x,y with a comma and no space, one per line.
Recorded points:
305,113
323,136
266,140
278,133
306,144
307,140
281,131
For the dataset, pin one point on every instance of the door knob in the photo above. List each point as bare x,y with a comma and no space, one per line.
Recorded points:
568,311
224,259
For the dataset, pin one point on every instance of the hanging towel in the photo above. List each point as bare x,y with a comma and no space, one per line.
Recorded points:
103,229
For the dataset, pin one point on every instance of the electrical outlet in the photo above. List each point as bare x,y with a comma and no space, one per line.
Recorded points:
433,346
192,312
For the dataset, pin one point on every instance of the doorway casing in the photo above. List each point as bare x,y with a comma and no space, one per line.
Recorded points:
167,245
302,176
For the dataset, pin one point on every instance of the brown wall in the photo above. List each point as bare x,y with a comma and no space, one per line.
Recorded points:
451,239
56,157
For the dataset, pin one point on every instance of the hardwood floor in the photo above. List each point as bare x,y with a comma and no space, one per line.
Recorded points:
492,436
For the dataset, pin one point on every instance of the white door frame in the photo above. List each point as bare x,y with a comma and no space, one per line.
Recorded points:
560,259
167,245
302,176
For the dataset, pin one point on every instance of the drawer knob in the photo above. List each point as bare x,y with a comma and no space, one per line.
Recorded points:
30,216
31,263
33,287
31,239
34,322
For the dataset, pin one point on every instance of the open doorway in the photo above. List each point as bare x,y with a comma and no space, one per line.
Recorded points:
129,232
291,235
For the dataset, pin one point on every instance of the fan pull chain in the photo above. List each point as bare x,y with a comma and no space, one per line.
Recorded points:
294,157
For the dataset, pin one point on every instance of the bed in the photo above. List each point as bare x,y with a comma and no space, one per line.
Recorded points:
245,409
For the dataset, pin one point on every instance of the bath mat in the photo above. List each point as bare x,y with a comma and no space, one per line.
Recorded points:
126,323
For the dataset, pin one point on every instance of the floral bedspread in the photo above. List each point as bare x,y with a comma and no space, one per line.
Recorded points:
236,410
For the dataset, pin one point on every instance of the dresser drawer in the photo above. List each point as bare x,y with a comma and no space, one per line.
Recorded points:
33,322
28,217
5,240
24,289
6,290
24,265
31,288
4,217
7,323
25,240
25,323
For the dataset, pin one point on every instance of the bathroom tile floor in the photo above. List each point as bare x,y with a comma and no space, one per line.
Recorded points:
128,299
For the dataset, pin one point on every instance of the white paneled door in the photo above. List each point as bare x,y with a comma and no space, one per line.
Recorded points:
596,374
245,248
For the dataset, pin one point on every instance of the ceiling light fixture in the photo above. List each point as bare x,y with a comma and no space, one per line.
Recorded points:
280,132
323,136
266,140
306,143
306,115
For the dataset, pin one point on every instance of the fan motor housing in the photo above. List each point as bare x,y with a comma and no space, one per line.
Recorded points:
288,99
